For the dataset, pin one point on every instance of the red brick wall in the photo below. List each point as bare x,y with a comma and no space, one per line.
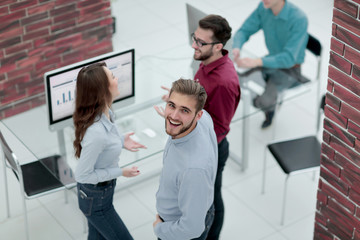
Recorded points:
41,35
338,199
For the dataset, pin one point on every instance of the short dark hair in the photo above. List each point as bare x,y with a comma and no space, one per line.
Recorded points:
190,88
218,25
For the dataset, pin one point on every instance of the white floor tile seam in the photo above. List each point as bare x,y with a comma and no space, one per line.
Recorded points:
253,210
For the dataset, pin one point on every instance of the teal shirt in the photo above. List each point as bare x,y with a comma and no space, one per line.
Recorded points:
285,35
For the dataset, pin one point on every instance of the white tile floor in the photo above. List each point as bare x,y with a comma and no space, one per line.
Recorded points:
159,27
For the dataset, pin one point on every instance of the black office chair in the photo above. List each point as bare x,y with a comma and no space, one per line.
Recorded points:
295,156
38,178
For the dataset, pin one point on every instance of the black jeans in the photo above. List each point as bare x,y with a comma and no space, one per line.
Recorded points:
223,154
208,221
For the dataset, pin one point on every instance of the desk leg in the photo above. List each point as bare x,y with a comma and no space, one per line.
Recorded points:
244,159
62,148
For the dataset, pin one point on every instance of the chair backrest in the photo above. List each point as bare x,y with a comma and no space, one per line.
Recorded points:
314,45
9,155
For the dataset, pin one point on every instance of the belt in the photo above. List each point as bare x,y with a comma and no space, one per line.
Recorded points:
101,184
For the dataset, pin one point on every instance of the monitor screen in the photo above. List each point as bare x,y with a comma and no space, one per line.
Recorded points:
60,86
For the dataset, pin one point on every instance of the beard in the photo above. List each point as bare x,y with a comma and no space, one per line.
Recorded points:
182,130
204,55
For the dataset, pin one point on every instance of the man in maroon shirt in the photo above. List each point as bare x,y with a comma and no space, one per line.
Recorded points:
220,80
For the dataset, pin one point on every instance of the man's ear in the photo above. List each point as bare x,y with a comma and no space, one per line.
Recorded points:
198,115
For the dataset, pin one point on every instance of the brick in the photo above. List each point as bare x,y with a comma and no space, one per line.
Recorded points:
348,37
36,34
340,63
321,233
327,150
66,17
347,7
346,21
35,89
12,32
330,165
59,27
355,196
356,72
344,80
337,46
73,57
13,58
357,145
94,8
320,219
352,55
10,42
39,50
334,181
38,25
326,137
350,113
346,151
7,68
7,26
322,197
34,18
87,3
16,81
53,51
43,64
351,176
29,61
64,9
330,85
356,235
4,10
61,2
338,231
342,218
12,97
336,117
94,16
18,48
340,198
41,8
19,71
13,16
99,32
68,40
22,5
347,96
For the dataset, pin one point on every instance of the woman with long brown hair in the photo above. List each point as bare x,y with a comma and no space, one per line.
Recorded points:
98,144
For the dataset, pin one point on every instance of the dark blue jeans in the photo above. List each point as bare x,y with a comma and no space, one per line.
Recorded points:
208,222
96,203
223,154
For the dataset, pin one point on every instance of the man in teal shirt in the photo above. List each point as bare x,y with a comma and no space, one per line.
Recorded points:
285,31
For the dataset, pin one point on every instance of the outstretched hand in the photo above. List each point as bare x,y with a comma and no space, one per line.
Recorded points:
130,144
165,97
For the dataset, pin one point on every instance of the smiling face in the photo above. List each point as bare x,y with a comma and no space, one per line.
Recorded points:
204,53
113,83
180,115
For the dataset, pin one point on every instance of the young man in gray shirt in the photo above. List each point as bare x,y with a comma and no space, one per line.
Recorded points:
185,197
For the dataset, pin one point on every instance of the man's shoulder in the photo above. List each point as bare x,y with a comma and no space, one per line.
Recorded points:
295,12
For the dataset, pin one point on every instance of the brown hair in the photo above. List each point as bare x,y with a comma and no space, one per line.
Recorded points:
218,25
191,88
92,97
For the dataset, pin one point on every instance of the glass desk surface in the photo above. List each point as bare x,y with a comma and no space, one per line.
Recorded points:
31,127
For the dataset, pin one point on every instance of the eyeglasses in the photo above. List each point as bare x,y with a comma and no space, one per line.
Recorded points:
199,43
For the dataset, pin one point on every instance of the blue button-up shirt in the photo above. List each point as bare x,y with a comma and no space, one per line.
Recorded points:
101,148
285,35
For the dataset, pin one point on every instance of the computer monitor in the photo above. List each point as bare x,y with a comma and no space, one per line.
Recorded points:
60,86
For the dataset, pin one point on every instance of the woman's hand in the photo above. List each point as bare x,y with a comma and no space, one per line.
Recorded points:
130,144
130,172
